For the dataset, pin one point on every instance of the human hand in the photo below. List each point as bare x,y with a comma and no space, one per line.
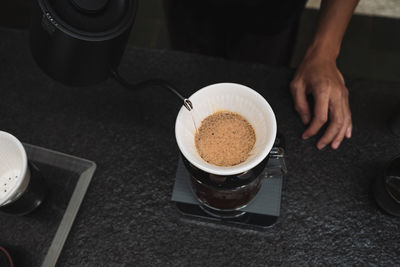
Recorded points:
320,77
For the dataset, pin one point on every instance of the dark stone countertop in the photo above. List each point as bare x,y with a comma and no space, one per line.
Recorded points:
328,215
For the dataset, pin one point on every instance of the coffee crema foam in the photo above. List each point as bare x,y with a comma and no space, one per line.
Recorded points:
225,138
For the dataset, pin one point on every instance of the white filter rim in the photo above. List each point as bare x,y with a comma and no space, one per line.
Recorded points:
24,167
240,168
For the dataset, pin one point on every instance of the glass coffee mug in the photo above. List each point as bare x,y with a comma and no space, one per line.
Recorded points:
22,188
226,189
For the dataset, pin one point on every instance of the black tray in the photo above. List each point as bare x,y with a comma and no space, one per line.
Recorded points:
38,238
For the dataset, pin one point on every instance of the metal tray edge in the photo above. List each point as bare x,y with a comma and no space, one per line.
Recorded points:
88,169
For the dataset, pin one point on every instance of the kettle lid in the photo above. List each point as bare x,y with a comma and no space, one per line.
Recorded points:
90,6
91,17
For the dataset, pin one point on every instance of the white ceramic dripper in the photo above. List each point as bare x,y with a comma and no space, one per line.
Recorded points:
231,97
14,171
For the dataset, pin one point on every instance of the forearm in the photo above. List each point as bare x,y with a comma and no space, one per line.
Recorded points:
333,20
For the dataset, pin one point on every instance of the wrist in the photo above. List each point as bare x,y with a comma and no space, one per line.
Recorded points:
323,50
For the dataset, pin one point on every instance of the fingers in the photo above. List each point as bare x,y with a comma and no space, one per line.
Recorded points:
298,91
339,138
335,126
349,131
349,128
340,125
347,125
320,113
331,100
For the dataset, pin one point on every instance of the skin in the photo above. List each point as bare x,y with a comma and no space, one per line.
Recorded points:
318,75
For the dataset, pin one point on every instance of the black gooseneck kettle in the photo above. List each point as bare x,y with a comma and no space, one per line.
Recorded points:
76,42
81,42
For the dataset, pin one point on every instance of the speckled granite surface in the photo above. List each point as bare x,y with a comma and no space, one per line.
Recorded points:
328,215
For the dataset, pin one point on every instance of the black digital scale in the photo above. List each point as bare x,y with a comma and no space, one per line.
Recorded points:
261,213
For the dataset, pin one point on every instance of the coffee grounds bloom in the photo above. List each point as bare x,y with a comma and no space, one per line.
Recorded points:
225,138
